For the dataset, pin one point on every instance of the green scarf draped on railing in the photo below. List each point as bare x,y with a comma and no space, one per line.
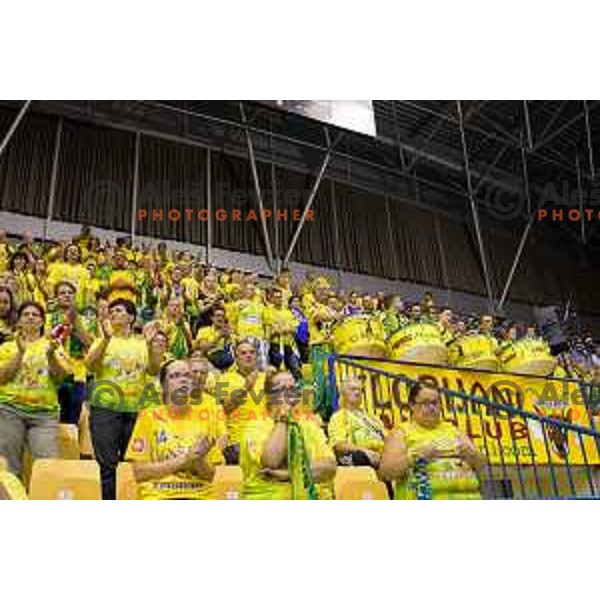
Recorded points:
303,484
324,392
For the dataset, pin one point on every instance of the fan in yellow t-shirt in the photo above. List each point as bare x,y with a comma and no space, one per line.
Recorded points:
356,437
34,363
177,328
430,459
215,341
31,366
174,447
5,252
121,283
70,270
280,325
249,315
284,456
320,315
241,392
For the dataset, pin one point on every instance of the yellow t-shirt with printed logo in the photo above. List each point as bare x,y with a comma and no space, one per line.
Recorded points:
249,319
450,478
255,438
121,378
158,434
356,428
33,388
248,411
281,319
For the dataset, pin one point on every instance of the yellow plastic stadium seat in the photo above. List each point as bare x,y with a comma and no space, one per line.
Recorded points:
344,475
227,482
363,490
57,479
68,441
68,449
86,448
126,483
27,465
11,487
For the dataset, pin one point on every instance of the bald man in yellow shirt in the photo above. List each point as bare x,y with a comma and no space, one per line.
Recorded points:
241,393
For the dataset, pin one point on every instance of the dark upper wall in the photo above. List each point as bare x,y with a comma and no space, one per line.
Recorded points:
95,181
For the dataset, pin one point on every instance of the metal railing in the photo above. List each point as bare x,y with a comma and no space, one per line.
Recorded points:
534,448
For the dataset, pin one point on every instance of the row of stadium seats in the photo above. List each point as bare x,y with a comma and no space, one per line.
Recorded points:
72,479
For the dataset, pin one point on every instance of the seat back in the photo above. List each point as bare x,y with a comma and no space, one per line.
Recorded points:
344,475
58,479
363,490
11,487
68,441
86,449
126,483
228,482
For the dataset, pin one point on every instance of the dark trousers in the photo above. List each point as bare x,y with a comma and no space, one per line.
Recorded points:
71,395
111,432
290,358
232,454
304,351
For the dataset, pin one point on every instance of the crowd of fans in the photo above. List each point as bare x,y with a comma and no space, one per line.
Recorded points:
79,314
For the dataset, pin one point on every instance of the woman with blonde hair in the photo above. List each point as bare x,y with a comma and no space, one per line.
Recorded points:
356,437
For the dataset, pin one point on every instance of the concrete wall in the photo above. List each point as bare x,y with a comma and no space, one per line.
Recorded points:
464,302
